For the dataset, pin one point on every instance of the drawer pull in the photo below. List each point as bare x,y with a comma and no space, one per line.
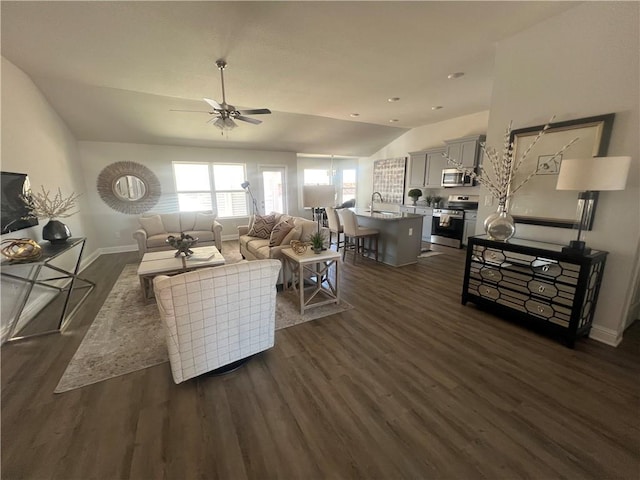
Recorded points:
493,255
545,268
490,274
540,309
541,288
487,291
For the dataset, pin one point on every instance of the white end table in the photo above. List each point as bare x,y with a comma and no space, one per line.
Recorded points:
318,266
166,263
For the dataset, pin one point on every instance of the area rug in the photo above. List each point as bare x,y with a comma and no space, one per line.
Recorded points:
428,254
127,334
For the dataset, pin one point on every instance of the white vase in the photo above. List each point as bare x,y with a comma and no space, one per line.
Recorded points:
500,226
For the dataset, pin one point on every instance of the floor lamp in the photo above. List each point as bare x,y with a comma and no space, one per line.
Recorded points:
589,176
247,187
318,196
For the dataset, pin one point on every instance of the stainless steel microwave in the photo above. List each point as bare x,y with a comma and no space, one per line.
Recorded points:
452,177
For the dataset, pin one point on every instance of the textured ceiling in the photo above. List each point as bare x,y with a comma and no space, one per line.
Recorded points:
114,70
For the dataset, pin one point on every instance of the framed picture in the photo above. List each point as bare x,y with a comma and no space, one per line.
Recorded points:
538,202
388,179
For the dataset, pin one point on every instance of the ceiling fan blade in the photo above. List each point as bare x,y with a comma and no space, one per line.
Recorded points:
247,119
196,111
213,103
255,111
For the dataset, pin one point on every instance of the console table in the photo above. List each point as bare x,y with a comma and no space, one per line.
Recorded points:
33,285
534,282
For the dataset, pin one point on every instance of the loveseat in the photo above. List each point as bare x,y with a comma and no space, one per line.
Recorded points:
265,237
156,227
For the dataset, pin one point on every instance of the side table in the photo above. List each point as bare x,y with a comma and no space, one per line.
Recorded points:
31,286
318,268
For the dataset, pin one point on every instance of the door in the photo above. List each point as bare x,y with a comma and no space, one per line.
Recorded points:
273,189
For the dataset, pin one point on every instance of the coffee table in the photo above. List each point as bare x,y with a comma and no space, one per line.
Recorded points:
166,263
317,268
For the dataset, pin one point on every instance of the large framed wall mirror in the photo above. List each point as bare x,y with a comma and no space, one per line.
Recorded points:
129,187
538,202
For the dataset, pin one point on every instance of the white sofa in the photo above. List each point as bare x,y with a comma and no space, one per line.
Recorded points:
156,227
214,317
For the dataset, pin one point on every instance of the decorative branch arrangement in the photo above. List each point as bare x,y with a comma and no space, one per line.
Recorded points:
503,170
41,205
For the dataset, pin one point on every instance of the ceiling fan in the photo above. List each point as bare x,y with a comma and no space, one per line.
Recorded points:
225,113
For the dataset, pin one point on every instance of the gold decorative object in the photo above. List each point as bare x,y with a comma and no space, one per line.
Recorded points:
299,247
21,249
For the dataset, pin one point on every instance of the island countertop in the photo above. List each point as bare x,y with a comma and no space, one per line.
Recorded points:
384,215
400,234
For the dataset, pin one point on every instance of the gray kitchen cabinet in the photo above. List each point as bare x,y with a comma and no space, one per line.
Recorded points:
425,168
426,222
417,165
466,149
407,209
435,164
470,221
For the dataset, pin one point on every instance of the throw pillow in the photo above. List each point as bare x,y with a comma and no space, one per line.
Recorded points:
262,226
204,221
294,234
152,225
279,232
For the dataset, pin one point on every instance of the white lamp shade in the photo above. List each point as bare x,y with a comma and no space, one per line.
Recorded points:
593,174
315,196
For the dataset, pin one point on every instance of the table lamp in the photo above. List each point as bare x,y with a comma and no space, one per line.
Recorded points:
318,196
589,176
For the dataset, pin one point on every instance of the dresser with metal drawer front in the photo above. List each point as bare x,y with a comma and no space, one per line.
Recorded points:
535,283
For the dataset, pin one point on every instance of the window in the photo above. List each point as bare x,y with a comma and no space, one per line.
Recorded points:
203,186
231,199
348,185
317,176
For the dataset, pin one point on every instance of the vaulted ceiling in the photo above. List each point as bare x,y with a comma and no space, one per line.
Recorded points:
115,70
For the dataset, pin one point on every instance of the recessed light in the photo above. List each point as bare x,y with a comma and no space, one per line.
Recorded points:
393,99
451,76
436,107
393,120
355,115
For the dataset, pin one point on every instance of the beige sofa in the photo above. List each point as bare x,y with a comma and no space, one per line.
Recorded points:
156,227
256,248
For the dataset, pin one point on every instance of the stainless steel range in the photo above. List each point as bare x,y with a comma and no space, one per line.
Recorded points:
448,225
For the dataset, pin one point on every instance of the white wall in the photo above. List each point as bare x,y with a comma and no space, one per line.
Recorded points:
37,142
421,138
581,63
114,229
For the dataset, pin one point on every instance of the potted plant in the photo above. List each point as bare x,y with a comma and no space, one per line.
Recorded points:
317,242
415,194
436,201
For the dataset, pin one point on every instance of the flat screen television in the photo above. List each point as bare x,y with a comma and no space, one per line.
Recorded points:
12,206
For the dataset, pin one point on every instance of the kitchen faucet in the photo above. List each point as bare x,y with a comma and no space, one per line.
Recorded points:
373,195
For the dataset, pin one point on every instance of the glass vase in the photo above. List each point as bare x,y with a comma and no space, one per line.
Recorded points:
500,226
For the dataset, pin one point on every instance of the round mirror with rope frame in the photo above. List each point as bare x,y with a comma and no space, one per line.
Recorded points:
129,187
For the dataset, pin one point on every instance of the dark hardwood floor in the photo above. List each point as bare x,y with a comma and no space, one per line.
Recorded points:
408,384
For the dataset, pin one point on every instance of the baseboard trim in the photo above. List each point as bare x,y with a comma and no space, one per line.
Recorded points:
605,335
118,249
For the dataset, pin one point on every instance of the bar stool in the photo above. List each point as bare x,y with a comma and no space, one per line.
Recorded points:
354,236
335,226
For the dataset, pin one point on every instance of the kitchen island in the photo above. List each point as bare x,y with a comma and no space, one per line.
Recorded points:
400,235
